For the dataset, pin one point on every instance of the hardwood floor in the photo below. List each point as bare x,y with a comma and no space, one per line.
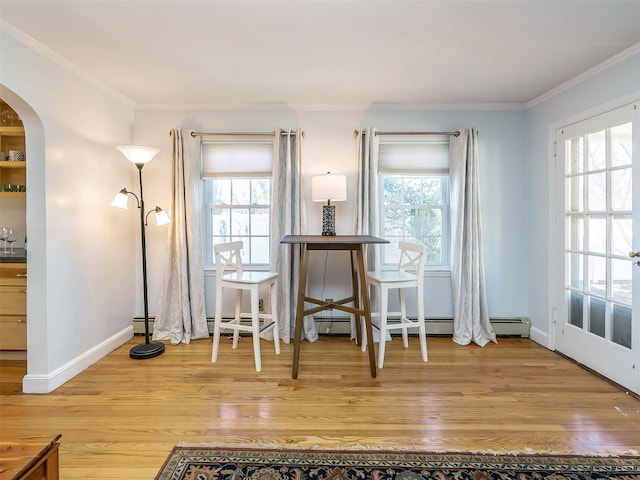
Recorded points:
120,418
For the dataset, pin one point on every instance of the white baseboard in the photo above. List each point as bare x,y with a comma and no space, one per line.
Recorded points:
48,383
340,325
540,337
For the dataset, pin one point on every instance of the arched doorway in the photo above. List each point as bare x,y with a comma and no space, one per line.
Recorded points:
34,221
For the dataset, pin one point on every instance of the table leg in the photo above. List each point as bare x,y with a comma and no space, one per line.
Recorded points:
302,286
356,296
366,310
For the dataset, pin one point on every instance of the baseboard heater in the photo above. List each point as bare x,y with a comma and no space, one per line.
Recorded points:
339,325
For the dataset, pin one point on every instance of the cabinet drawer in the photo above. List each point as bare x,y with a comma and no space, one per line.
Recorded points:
13,332
13,273
13,300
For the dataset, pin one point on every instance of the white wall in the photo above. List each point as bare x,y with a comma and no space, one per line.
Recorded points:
329,146
80,251
615,83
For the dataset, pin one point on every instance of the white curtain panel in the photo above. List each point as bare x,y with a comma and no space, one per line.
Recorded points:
288,217
470,310
366,215
181,315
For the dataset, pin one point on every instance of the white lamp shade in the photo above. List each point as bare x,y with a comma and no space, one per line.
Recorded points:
328,187
138,155
161,217
120,200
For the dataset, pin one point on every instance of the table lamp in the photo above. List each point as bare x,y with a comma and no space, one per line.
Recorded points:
328,188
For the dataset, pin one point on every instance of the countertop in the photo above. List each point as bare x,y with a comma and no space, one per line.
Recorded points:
19,256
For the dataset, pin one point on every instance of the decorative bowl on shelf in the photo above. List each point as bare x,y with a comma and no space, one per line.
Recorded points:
16,156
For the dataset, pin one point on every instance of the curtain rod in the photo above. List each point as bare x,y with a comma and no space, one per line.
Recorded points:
453,134
247,134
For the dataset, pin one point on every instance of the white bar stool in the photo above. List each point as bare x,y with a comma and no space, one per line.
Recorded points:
229,274
412,258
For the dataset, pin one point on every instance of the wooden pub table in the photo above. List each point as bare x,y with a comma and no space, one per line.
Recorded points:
359,295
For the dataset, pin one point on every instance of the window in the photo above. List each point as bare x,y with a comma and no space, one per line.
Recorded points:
414,197
414,208
599,229
239,209
237,196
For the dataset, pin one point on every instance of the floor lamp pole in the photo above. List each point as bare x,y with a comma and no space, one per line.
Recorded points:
148,349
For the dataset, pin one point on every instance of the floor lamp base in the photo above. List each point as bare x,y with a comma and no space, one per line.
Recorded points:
146,350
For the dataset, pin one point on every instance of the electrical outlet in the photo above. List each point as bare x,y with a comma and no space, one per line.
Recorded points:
261,305
329,300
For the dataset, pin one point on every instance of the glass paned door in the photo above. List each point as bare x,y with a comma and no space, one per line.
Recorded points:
597,318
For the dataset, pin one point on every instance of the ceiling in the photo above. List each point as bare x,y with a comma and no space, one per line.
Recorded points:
327,52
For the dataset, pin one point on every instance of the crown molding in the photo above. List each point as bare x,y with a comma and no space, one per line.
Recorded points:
331,107
49,54
592,72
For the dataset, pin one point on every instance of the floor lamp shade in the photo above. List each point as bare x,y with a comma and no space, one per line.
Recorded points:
328,188
138,155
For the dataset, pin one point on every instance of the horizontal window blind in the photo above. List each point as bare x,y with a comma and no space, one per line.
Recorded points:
429,155
239,158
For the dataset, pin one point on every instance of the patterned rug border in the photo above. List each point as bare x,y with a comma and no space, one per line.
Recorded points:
361,456
632,453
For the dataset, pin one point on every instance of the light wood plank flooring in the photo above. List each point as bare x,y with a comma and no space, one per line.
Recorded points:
120,418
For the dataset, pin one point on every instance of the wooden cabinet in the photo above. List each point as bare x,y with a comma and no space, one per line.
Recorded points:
13,268
13,165
13,306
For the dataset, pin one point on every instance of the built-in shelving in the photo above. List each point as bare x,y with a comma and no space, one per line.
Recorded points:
13,174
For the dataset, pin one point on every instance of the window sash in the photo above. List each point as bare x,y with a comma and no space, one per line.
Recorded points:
439,259
255,253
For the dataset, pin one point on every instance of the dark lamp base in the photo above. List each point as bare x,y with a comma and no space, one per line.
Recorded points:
146,350
328,220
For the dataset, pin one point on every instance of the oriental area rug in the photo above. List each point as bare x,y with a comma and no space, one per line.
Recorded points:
201,463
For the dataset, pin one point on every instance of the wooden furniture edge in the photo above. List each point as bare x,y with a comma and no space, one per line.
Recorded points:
36,460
